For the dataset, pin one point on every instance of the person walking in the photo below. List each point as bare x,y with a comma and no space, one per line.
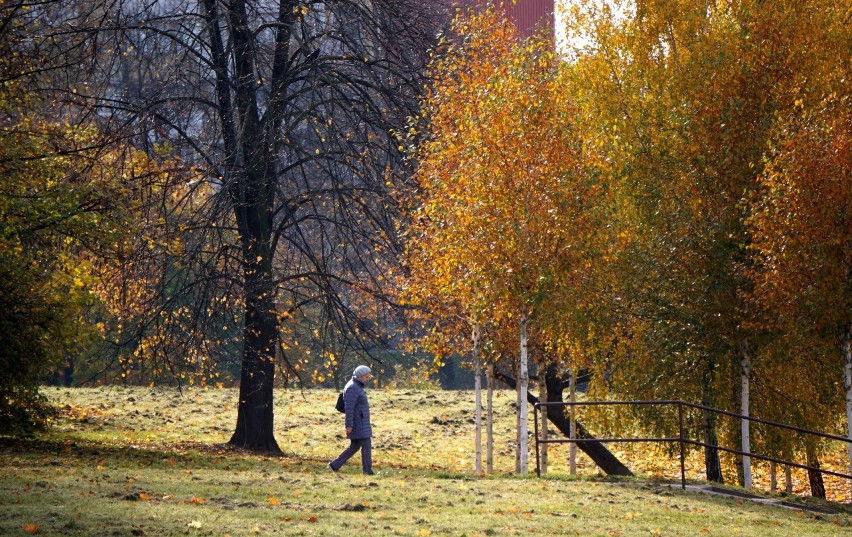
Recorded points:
358,428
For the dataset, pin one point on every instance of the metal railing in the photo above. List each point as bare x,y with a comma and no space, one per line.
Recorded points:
681,439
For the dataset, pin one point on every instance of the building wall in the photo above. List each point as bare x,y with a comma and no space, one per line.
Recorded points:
531,15
528,15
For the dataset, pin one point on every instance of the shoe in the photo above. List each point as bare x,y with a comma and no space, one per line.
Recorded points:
330,467
371,473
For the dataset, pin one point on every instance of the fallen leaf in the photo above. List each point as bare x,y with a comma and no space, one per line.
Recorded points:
273,501
32,529
197,501
312,519
194,524
144,497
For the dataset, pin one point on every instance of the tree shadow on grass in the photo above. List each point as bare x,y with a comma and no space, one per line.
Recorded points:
138,454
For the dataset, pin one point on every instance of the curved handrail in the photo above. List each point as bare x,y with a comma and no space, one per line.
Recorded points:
681,439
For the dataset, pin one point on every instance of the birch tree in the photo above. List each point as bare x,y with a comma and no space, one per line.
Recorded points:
802,228
684,95
503,202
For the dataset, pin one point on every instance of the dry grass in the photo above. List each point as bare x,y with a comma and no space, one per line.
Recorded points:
132,461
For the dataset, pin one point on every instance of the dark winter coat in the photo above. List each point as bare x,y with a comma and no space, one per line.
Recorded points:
357,410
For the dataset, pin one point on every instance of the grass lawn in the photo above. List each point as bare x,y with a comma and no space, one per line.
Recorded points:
136,461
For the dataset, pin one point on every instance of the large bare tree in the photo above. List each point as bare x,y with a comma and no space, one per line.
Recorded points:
290,114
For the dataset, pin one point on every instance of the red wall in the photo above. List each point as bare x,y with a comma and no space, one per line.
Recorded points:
528,15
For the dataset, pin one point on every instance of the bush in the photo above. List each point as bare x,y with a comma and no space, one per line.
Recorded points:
28,322
23,411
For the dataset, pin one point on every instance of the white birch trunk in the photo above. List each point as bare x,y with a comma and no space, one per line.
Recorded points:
542,397
489,420
477,388
572,427
745,425
847,384
523,413
518,424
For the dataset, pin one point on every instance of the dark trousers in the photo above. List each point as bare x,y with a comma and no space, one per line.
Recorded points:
366,447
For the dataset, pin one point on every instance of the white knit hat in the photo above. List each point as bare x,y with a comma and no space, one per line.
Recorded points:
360,371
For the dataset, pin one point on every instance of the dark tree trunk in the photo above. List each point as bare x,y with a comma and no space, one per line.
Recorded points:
817,484
255,412
815,477
68,372
596,451
712,464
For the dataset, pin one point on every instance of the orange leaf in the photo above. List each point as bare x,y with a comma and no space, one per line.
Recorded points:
32,529
273,501
197,501
312,519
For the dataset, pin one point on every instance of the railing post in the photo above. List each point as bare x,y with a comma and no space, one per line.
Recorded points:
537,459
682,450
